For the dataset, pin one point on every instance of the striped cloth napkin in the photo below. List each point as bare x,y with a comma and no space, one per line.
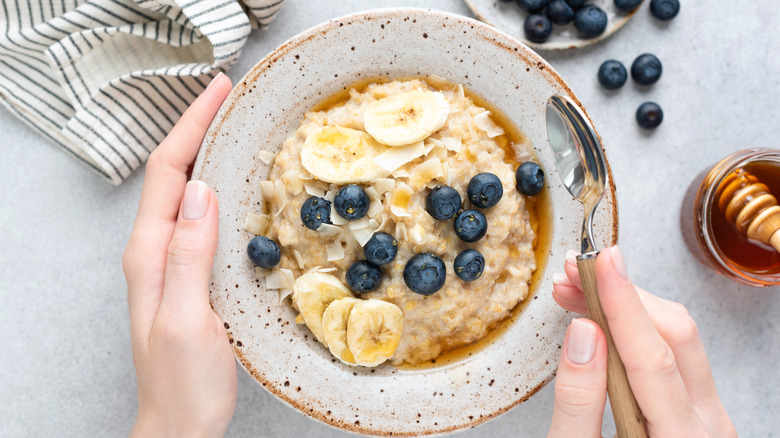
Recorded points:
107,79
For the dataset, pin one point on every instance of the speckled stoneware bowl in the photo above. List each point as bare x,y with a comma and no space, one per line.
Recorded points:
510,18
266,106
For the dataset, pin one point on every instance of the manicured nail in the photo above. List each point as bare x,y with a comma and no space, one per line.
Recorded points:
196,201
618,263
571,257
560,278
582,342
219,75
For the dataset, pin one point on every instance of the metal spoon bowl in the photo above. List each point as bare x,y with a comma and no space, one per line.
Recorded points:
580,161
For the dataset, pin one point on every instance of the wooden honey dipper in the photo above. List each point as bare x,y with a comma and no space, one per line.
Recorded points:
748,205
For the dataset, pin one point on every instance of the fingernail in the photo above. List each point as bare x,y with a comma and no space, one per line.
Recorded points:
618,263
220,74
582,342
196,201
559,278
571,257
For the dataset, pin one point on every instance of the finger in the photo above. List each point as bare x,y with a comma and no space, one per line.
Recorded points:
191,252
567,295
570,267
650,363
581,382
166,175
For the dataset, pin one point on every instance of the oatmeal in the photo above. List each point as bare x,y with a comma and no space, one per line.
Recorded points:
363,142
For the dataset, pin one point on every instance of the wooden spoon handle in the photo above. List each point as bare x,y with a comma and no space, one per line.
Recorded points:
629,421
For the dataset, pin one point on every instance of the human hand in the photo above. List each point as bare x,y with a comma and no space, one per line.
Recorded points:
185,369
659,344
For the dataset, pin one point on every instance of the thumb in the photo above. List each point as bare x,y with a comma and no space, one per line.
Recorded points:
191,253
581,382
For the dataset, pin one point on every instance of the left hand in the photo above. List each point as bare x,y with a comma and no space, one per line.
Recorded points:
186,372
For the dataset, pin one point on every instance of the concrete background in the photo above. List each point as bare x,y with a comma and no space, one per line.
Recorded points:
65,362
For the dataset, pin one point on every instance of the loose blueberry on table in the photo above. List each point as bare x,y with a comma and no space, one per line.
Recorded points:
627,5
443,202
559,12
590,21
612,74
315,212
363,276
263,252
485,190
381,249
537,28
425,273
664,9
530,178
532,6
470,225
649,115
351,202
469,265
646,69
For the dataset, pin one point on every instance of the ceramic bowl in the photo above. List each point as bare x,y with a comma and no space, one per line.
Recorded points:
510,18
267,105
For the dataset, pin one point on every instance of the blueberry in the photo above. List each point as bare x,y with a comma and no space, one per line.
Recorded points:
590,21
381,248
576,4
612,74
363,276
470,225
425,273
627,5
263,252
530,178
559,12
664,9
537,28
315,212
646,69
485,190
532,6
649,115
443,202
469,265
351,202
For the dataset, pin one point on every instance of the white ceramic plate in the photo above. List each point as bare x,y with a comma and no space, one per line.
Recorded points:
266,106
510,18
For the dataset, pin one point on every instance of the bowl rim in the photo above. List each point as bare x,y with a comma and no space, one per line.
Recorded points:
505,42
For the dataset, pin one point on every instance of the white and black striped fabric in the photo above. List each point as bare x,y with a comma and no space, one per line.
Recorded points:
107,79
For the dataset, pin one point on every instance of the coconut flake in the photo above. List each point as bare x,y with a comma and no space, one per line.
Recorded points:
373,224
375,209
268,191
359,224
335,218
326,230
284,293
257,224
384,185
453,144
401,173
485,123
417,234
312,189
335,251
395,157
330,195
461,92
400,231
426,171
281,196
266,157
362,235
298,259
279,279
400,200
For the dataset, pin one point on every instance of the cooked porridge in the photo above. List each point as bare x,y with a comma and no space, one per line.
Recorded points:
397,160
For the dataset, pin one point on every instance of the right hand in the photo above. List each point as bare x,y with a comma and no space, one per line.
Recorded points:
659,344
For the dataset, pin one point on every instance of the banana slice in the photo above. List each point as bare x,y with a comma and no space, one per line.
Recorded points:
340,155
334,328
373,331
312,292
406,118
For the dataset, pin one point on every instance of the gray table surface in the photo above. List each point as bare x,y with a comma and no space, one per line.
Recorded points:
65,362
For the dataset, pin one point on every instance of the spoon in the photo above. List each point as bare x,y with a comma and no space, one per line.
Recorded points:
580,162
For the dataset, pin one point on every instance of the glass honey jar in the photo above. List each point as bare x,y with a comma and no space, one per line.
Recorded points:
715,229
